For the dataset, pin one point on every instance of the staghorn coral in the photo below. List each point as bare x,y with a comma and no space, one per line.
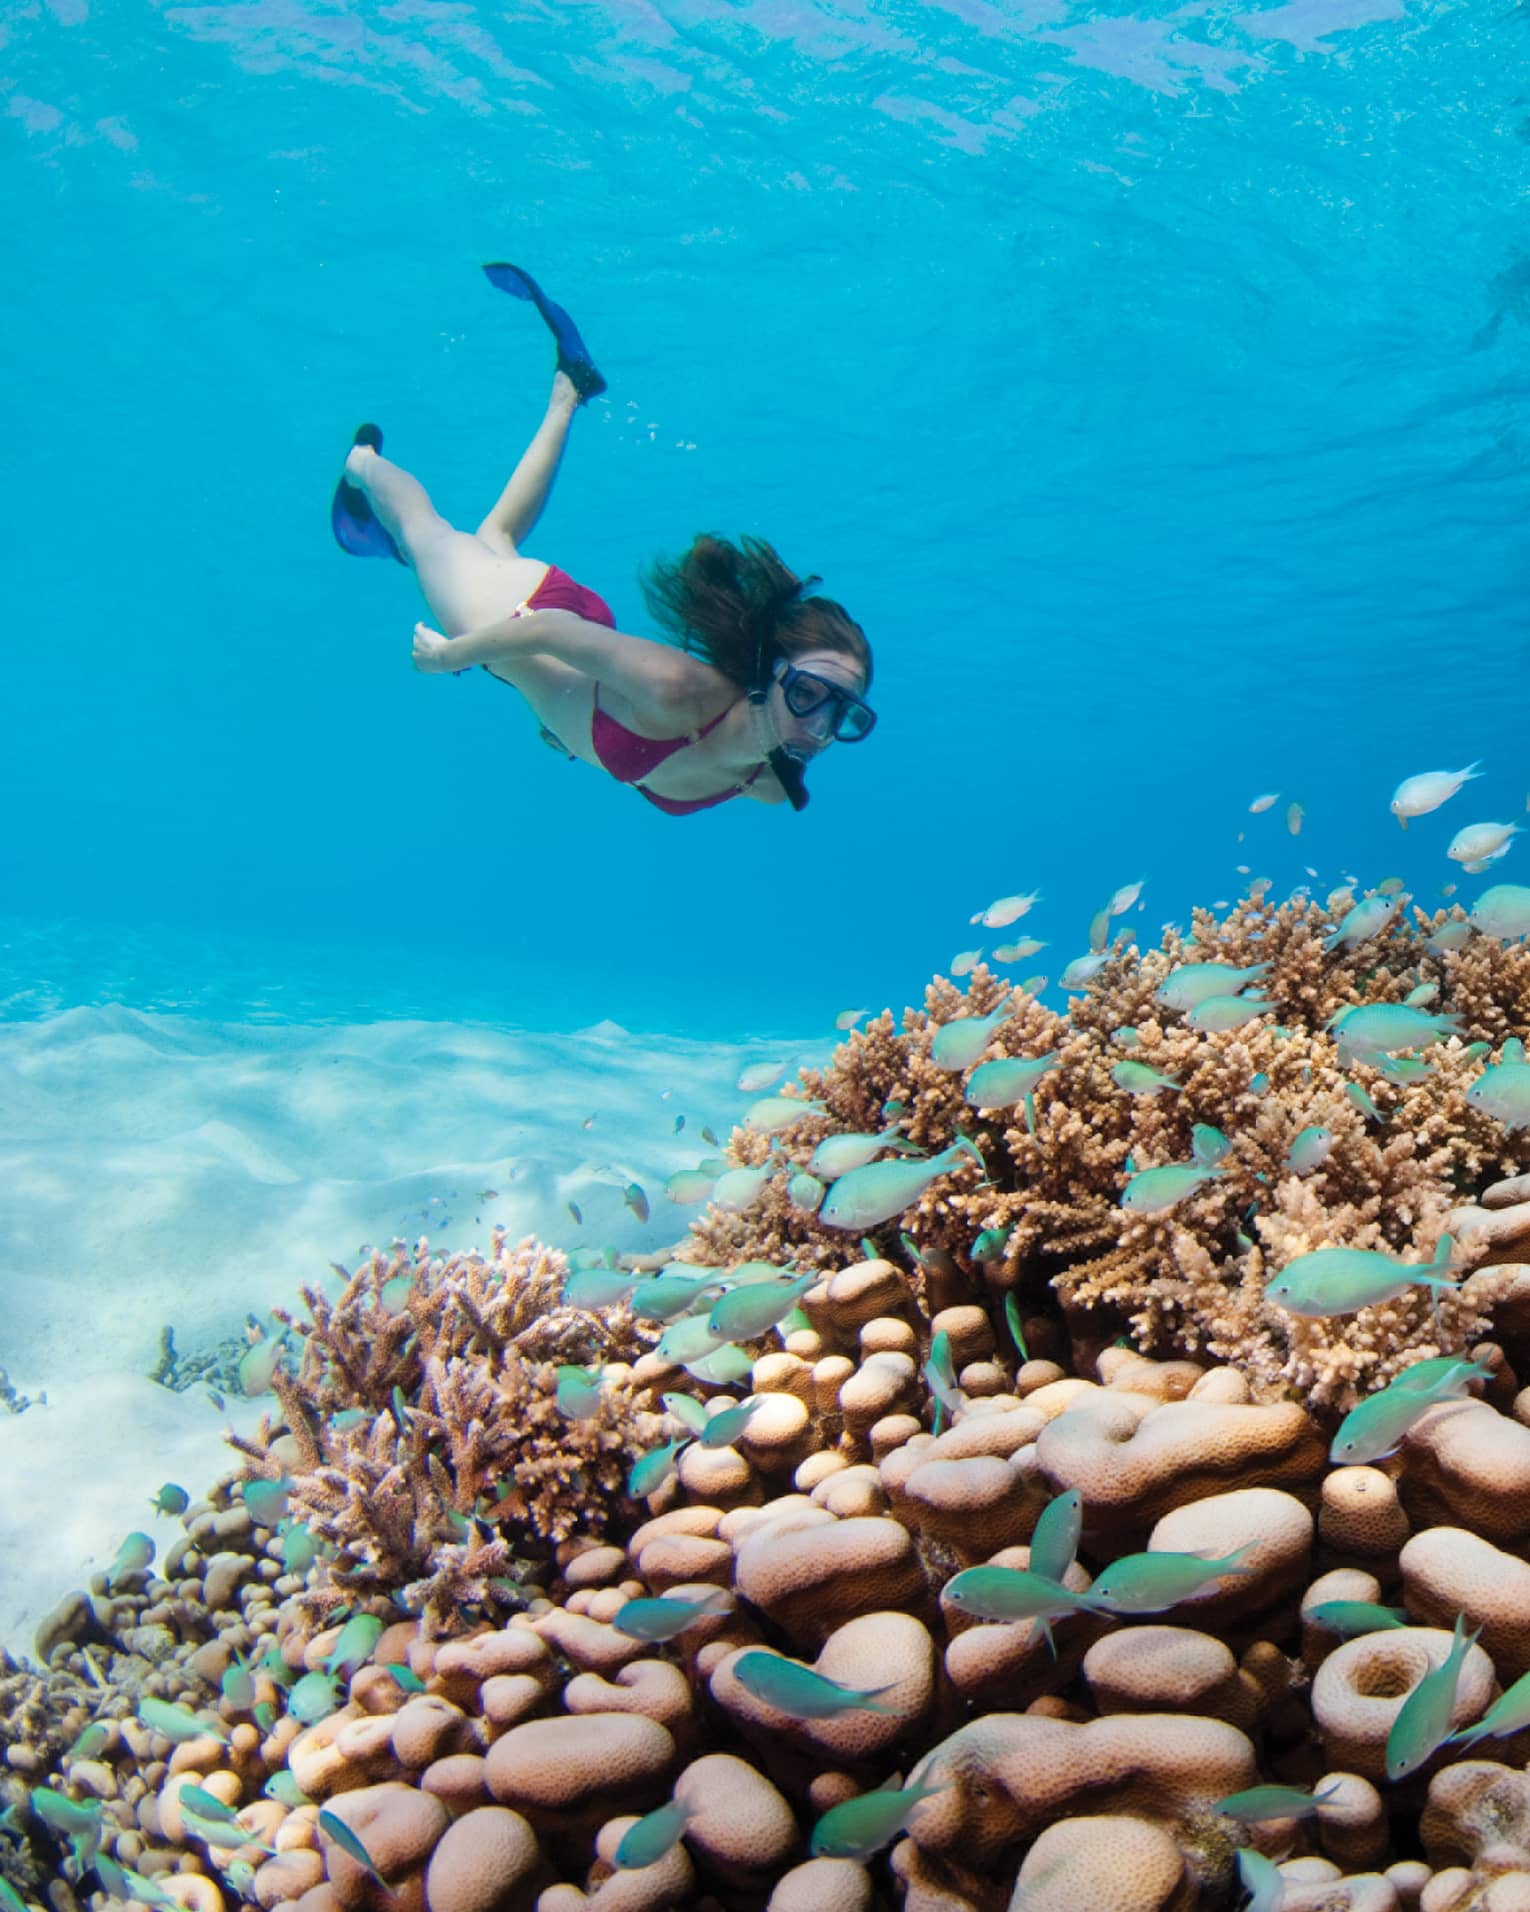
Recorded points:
441,1373
1190,1281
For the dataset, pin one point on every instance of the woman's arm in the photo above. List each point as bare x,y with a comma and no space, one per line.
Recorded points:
662,685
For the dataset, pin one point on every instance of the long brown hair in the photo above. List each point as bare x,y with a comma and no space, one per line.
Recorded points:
739,607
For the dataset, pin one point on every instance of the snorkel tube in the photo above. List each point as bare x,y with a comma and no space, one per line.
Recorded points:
788,769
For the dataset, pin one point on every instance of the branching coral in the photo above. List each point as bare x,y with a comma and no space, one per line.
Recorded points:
420,1430
1192,1280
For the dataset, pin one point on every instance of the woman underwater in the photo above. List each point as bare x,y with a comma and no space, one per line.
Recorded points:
765,676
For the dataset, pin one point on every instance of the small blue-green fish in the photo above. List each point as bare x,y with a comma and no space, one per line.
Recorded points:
1402,1069
394,1294
1376,1029
687,1340
178,1723
1367,919
777,1112
868,1196
725,1366
1099,932
1380,1423
1294,816
940,1375
265,1716
804,1192
636,1198
135,1555
91,1741
1452,935
1208,1144
578,1392
1273,1802
284,1789
238,1685
315,1697
1154,1191
1424,1374
1154,1582
657,1833
1423,1724
267,1501
1261,1879
349,1417
1503,910
205,1805
70,1817
12,1901
119,1880
1188,984
1215,1014
664,1617
1338,1281
991,1243
860,1827
299,1545
1363,1102
240,1876
403,1676
709,1136
1509,1713
652,1469
171,1500
354,1645
1054,1544
1421,996
798,1690
836,1155
739,1189
1014,1595
1138,1079
333,1827
1502,1091
688,1185
672,1292
1007,1080
575,1212
258,1364
1351,1618
686,1408
958,1044
724,1428
1259,1084
1126,1036
1081,972
1012,1322
745,1313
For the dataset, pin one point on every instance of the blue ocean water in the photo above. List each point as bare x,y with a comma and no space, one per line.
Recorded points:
1150,384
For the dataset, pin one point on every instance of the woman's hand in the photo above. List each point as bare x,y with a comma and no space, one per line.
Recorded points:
432,651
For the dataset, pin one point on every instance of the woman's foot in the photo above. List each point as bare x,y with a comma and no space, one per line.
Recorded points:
351,517
574,360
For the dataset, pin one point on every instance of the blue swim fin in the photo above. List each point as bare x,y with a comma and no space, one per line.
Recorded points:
574,359
351,516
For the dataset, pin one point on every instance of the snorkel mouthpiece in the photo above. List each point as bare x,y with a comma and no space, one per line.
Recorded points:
788,771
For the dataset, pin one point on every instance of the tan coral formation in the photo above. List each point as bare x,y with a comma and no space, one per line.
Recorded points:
494,1746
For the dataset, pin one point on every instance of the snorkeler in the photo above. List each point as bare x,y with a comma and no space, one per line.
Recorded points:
760,679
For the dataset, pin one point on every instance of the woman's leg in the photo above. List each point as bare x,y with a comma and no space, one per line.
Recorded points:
465,582
521,502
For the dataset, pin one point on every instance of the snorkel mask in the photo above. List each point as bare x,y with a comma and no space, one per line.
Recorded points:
806,694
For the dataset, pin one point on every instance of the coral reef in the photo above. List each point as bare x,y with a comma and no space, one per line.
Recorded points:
1191,1281
500,1726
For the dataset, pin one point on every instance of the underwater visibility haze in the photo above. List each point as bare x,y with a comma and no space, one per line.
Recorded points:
704,1397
